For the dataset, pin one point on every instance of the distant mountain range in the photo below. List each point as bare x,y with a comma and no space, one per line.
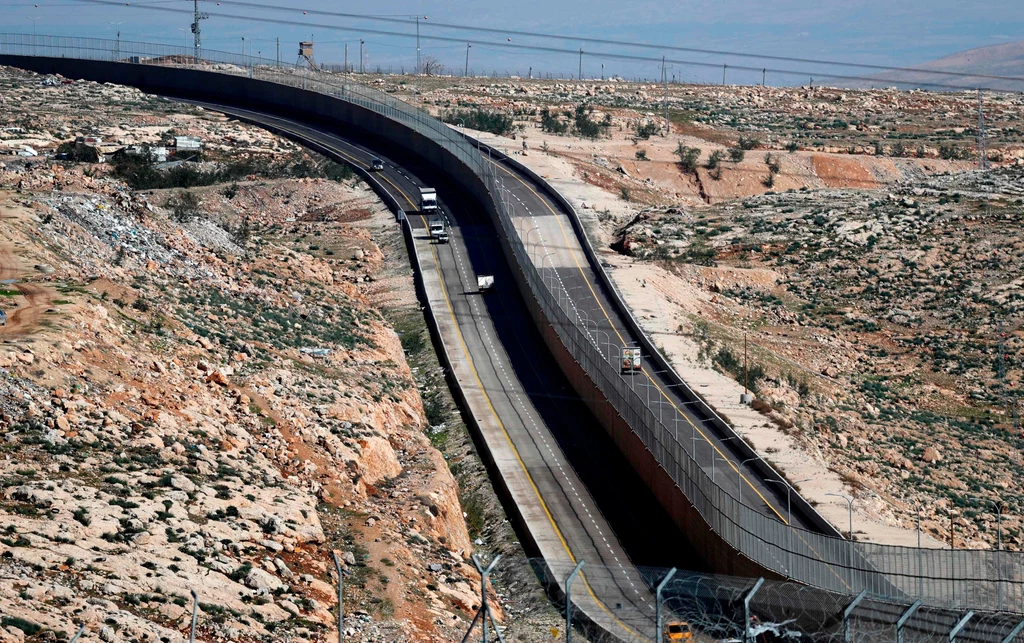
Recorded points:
997,60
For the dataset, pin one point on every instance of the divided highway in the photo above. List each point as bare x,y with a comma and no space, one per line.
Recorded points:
526,412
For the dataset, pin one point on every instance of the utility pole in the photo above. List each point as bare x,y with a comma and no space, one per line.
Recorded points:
418,68
724,67
466,73
346,57
581,64
982,151
278,40
117,47
360,55
664,80
196,17
764,73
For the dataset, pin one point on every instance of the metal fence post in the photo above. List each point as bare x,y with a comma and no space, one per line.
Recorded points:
848,611
960,626
568,601
341,586
195,616
1009,637
904,618
746,610
657,601
484,612
82,629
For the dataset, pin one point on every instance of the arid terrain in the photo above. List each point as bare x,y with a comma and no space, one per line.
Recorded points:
215,374
874,272
218,388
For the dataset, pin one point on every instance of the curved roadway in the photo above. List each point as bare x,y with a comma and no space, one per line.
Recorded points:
559,466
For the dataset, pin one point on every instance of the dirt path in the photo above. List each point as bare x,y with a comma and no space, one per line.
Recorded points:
37,299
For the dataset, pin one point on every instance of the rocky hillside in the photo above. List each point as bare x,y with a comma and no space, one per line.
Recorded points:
203,390
884,329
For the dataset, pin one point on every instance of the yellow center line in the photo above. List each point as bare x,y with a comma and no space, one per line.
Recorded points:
624,342
648,375
476,376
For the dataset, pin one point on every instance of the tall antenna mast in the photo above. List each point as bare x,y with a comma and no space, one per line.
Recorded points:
196,17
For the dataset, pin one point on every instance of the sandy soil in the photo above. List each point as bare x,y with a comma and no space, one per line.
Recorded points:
35,299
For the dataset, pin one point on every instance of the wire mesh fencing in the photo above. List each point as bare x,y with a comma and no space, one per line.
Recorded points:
988,580
724,608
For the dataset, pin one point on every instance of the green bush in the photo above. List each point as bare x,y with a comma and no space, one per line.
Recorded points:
138,171
28,627
645,130
551,123
585,126
688,157
483,120
747,143
736,154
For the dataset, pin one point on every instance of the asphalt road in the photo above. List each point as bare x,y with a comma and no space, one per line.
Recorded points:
551,238
601,510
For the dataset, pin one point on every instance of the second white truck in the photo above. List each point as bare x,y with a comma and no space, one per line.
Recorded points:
438,231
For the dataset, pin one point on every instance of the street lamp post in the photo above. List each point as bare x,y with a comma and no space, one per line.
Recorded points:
739,477
849,501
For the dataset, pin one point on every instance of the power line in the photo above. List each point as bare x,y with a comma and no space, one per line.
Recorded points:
557,50
624,43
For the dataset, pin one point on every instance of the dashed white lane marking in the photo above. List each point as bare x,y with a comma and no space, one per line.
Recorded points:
509,385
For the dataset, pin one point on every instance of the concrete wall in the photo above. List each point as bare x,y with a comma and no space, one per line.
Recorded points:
741,449
378,131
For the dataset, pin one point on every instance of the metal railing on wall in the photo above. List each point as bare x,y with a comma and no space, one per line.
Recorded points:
973,579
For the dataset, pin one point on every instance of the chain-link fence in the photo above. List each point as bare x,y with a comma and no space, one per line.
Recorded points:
957,579
725,608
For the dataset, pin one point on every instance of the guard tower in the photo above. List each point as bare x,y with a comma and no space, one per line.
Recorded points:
306,54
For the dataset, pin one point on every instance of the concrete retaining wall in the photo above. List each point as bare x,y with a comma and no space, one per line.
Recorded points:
378,131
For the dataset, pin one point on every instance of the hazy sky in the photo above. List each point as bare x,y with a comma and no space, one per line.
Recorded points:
883,32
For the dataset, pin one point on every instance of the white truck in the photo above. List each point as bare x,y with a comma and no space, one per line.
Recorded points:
484,282
438,231
428,200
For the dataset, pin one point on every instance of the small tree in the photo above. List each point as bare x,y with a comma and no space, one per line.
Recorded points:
713,160
184,206
748,143
550,122
430,65
688,157
792,147
641,155
772,163
645,130
899,150
736,154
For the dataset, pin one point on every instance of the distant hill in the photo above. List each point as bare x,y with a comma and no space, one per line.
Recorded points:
997,60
